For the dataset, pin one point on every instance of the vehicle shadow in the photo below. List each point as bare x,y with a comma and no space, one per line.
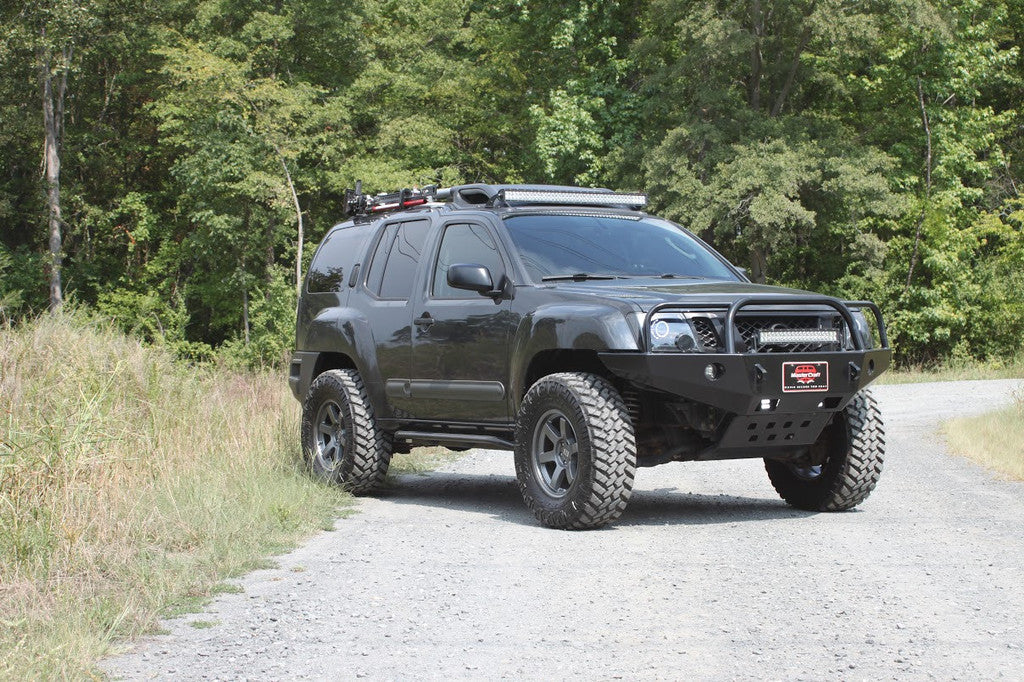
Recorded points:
498,496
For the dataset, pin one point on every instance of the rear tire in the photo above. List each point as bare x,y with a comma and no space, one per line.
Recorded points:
850,450
340,438
575,451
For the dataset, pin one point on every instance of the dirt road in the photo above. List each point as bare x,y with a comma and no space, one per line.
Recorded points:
707,575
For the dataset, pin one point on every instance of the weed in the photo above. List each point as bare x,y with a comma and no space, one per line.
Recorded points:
957,370
204,624
993,439
130,487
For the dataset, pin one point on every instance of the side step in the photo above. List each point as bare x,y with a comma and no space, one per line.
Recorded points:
459,440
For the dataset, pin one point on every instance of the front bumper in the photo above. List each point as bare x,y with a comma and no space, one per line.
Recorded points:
746,380
765,419
301,373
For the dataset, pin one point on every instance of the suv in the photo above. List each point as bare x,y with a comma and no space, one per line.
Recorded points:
586,336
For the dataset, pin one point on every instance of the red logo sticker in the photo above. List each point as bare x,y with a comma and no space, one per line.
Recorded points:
806,377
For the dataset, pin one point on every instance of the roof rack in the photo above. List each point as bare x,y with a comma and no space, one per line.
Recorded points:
468,196
358,204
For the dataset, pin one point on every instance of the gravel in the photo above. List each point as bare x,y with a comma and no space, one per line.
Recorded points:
707,575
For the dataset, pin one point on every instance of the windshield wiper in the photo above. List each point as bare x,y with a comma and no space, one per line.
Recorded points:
577,277
672,275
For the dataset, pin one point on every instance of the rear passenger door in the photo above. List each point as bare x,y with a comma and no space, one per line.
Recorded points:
393,274
460,338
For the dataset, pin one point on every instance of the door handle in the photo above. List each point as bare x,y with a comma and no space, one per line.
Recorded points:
424,322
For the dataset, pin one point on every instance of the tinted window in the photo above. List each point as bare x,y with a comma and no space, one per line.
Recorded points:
380,257
465,244
400,269
553,245
336,254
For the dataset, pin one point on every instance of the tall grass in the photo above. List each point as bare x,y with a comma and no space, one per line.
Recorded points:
995,439
958,370
129,487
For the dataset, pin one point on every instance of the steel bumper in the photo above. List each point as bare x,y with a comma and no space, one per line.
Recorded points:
746,381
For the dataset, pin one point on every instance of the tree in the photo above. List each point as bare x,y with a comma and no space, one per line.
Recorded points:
742,145
51,29
245,133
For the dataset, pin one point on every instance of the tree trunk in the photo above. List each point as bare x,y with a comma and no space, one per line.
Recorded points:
245,313
927,184
298,217
757,26
53,133
794,66
268,257
758,265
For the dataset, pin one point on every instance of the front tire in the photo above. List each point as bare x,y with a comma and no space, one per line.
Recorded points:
844,465
575,451
340,438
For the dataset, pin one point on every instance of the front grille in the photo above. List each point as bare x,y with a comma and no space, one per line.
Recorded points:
706,334
748,327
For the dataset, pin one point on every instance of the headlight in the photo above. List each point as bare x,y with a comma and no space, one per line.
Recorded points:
672,332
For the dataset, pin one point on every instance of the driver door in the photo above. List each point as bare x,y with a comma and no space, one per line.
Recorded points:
460,338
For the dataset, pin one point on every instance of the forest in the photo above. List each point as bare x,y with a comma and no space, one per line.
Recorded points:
172,164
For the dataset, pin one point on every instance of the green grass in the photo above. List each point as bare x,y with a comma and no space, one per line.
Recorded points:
204,624
1012,368
422,460
130,487
995,439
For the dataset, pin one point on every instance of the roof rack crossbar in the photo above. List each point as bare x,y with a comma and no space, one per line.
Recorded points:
358,204
361,205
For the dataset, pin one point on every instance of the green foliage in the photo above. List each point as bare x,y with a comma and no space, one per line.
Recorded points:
793,136
131,486
272,327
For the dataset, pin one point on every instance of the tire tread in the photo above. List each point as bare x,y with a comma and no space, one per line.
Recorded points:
855,476
612,443
364,466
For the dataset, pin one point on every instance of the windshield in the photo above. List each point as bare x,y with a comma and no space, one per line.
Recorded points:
554,246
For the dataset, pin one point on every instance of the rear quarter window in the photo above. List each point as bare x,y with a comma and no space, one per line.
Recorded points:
334,259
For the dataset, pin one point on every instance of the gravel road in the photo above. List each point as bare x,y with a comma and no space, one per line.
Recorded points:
707,575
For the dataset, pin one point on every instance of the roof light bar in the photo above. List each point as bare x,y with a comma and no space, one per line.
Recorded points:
770,336
537,196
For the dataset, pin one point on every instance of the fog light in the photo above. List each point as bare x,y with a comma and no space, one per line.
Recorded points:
713,371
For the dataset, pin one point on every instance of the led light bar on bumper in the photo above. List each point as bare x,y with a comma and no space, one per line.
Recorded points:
574,198
782,336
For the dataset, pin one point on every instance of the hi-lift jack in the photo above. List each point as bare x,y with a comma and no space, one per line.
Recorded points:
359,205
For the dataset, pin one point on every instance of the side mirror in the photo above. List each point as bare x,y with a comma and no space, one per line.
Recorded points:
472,277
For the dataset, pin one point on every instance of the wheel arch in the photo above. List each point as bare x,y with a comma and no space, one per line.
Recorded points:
566,337
328,360
554,360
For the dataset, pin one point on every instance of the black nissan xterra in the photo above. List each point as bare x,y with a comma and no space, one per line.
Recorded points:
590,338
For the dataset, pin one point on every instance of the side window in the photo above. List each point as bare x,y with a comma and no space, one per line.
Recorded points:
399,270
380,257
338,252
465,243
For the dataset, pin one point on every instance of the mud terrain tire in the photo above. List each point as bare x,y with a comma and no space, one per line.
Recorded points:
340,438
575,451
851,450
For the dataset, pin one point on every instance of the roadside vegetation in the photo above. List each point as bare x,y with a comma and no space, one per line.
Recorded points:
995,439
131,485
957,370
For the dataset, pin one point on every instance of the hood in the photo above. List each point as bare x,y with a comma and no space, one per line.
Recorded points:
647,293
